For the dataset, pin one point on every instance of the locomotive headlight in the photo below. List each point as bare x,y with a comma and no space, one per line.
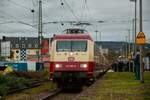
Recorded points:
71,53
83,65
57,65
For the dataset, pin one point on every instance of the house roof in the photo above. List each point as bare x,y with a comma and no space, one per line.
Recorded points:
23,42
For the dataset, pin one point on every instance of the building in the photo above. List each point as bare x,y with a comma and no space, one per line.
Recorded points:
26,48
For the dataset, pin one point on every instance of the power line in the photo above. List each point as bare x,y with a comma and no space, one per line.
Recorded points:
87,7
6,22
88,10
4,13
33,11
20,5
13,21
71,10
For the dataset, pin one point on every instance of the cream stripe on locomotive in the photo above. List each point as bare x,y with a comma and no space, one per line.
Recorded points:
78,56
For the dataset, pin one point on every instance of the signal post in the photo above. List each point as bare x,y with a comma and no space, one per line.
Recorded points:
140,40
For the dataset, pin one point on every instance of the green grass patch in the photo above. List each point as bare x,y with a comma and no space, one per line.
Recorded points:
8,82
27,94
45,87
122,86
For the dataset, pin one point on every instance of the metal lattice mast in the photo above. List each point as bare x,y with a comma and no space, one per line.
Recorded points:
40,31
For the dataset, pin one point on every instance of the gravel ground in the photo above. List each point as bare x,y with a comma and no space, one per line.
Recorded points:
65,96
79,95
89,92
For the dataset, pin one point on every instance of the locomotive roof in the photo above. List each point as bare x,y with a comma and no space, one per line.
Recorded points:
73,36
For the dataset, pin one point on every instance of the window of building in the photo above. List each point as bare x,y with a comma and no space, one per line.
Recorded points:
26,38
11,46
28,51
19,38
36,45
23,46
17,45
29,45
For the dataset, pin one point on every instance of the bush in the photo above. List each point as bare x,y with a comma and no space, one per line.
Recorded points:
3,89
15,82
9,82
3,79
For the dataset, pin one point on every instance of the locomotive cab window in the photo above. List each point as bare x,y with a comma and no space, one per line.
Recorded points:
74,46
79,45
63,46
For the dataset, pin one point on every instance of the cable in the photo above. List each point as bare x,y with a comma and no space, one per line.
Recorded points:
88,10
71,10
4,13
6,22
17,4
82,10
33,11
15,20
44,9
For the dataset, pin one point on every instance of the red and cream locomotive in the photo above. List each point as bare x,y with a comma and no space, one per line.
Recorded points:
75,58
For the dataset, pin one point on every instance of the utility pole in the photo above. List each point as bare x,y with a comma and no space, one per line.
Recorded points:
133,36
141,30
135,47
129,49
129,46
135,20
100,35
40,32
96,34
126,46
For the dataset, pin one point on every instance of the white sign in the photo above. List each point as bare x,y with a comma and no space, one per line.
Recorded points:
5,48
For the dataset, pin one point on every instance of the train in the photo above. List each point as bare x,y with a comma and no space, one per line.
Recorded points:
75,58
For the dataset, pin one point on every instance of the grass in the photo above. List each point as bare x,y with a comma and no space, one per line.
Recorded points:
12,79
122,86
27,94
45,87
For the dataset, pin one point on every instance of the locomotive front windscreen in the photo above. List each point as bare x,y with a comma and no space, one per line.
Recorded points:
71,46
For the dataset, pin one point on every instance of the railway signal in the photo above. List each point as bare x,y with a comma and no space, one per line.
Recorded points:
140,39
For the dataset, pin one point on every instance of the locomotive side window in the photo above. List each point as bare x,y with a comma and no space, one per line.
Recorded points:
79,46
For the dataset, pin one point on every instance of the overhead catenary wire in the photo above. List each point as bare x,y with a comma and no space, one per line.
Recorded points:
61,20
33,11
71,10
20,5
13,20
88,9
8,16
44,9
90,16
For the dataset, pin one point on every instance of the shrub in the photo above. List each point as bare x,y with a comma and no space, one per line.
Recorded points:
3,79
3,89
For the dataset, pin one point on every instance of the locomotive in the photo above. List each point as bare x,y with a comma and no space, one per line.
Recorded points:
75,58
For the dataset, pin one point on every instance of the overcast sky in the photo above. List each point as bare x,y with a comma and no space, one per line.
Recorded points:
116,15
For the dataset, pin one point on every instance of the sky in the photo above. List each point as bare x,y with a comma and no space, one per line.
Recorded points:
115,16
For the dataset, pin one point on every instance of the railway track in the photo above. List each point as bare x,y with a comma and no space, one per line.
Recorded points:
61,94
48,94
30,84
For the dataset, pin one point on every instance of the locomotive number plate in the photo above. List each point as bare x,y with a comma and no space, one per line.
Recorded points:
71,59
71,66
